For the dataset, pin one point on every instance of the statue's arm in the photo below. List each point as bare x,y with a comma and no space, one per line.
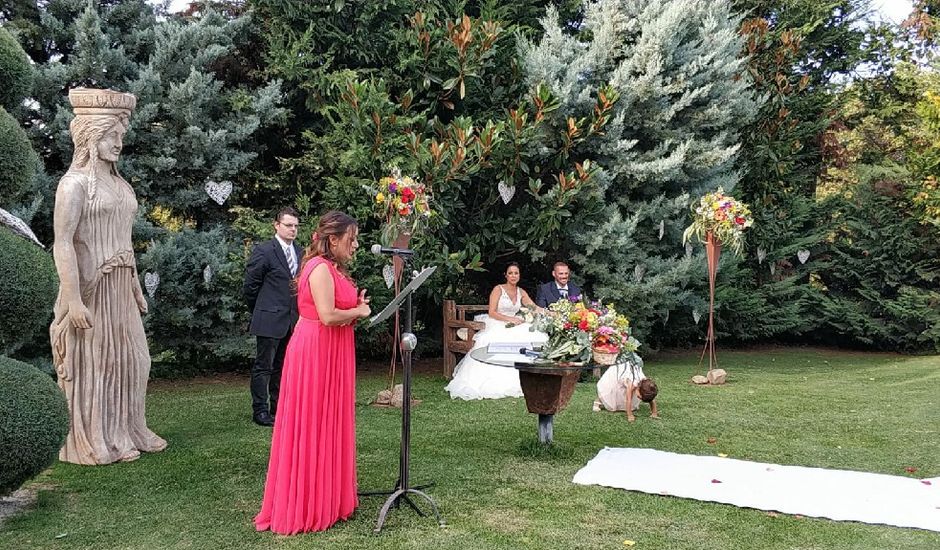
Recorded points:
69,199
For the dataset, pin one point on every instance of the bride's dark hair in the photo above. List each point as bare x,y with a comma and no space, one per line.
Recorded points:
512,264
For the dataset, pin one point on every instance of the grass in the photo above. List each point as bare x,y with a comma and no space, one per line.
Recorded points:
496,489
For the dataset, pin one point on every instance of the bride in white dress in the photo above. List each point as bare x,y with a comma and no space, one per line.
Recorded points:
475,380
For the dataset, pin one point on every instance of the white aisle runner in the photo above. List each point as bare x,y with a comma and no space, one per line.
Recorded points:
835,494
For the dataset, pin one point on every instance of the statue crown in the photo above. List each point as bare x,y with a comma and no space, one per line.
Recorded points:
92,101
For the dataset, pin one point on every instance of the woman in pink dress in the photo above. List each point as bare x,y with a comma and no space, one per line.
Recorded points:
311,479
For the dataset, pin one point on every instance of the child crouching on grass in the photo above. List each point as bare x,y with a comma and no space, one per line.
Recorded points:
623,384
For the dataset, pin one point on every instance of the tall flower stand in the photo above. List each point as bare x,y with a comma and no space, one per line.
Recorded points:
715,375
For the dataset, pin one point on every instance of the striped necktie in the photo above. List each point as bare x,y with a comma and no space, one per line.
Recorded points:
291,262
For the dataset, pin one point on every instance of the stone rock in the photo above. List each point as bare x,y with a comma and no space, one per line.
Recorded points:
699,379
717,376
398,393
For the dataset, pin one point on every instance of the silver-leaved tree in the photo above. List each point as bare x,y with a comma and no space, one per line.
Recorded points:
684,95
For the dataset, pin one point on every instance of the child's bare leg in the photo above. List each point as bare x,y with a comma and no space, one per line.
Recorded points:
654,413
631,389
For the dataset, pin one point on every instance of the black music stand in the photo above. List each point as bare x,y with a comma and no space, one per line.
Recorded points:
408,343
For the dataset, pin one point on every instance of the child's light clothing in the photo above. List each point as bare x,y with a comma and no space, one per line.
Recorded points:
612,387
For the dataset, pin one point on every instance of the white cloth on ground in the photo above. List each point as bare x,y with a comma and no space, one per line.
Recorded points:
816,492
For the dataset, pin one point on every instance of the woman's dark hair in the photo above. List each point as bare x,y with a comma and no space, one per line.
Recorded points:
512,264
332,224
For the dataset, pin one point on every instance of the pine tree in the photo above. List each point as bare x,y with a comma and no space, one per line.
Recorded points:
193,125
683,97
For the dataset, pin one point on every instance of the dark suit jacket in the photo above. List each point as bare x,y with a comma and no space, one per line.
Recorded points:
548,293
268,292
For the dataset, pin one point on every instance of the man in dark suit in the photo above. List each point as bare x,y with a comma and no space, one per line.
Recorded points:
560,287
273,303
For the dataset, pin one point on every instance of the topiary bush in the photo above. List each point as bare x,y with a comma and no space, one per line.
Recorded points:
34,420
15,71
28,286
18,161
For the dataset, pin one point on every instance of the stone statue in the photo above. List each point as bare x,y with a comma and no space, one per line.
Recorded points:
99,348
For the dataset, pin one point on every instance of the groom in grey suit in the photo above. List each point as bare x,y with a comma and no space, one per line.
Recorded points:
560,287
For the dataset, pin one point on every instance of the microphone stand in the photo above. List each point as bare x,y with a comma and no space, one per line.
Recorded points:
402,488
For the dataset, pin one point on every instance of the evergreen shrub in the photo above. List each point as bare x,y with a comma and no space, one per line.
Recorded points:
34,420
28,286
18,161
15,71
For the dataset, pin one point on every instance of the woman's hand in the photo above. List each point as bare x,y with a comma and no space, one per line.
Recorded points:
515,321
79,315
362,308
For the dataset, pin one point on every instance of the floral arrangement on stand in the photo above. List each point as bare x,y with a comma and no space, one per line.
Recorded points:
576,331
403,203
717,219
721,216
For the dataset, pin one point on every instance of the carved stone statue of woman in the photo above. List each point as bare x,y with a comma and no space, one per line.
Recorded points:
99,348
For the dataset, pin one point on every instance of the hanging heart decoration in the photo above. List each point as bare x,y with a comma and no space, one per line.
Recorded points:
219,190
506,192
388,273
761,255
662,229
18,226
207,274
696,316
802,256
638,272
151,282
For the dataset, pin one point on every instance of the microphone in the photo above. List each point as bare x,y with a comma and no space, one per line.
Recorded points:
378,250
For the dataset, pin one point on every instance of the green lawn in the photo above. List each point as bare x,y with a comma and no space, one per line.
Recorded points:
872,412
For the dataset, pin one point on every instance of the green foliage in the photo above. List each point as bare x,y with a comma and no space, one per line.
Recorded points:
196,322
673,133
28,286
34,420
15,72
796,51
18,162
883,253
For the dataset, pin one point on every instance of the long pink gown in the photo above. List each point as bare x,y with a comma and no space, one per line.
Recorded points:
311,479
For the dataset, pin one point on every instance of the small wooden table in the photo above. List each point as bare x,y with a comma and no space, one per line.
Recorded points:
546,385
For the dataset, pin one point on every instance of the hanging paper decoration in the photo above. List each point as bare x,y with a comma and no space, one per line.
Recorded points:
219,190
207,274
506,192
802,256
638,272
761,255
662,229
772,268
688,250
388,273
696,316
151,282
18,226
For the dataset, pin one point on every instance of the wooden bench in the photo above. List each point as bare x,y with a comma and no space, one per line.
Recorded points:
455,318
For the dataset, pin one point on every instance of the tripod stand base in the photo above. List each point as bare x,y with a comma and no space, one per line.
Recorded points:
402,495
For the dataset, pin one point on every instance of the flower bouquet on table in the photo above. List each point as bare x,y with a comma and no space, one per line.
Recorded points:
403,203
576,331
721,216
526,313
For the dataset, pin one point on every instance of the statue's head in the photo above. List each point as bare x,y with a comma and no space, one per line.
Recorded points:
101,120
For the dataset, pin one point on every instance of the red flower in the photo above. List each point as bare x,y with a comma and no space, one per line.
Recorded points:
407,195
583,325
739,220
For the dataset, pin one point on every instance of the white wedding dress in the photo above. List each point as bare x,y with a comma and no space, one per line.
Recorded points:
476,380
